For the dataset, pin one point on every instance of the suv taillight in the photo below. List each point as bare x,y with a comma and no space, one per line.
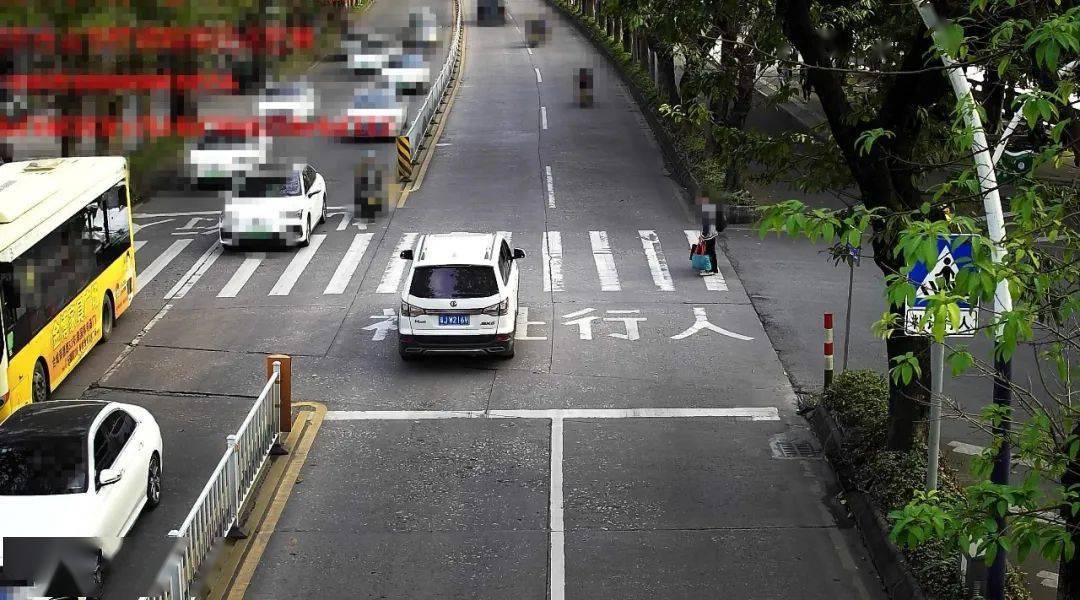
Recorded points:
498,310
408,310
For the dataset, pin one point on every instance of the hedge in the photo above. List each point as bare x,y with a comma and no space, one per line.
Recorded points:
858,402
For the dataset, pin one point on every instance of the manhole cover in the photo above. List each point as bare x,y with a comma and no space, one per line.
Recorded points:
784,448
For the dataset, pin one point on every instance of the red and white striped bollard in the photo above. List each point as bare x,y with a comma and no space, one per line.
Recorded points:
828,350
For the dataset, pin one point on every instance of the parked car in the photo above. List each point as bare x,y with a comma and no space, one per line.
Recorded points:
461,295
421,32
79,469
275,205
367,53
290,100
376,112
409,73
219,156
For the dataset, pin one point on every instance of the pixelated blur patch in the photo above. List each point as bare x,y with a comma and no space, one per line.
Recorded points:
51,567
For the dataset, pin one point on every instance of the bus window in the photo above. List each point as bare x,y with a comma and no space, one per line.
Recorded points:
9,301
116,224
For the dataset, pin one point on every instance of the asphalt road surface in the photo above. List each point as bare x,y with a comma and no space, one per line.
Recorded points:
539,477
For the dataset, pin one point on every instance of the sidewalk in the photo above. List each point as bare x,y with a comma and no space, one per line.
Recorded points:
806,111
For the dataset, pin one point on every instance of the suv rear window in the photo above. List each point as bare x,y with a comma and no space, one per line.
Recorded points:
454,282
41,467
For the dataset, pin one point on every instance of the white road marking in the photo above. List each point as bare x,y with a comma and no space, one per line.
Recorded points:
174,214
159,263
191,224
391,279
539,79
134,342
578,313
529,49
136,227
296,267
241,276
550,187
551,249
605,262
965,448
543,117
344,273
713,283
752,413
195,273
657,263
344,224
522,323
701,322
557,567
139,244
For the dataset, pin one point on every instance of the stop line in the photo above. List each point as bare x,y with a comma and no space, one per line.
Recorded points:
595,253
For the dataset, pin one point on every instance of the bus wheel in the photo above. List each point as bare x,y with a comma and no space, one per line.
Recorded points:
107,319
40,383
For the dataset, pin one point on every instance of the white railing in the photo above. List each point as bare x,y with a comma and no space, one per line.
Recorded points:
216,512
424,115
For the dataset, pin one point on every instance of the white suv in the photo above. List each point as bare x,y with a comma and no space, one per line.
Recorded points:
461,295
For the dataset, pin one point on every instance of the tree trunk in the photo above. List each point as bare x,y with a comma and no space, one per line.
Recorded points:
627,38
908,404
665,65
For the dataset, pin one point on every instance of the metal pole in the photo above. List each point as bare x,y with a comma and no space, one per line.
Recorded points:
232,479
847,317
277,397
995,224
937,374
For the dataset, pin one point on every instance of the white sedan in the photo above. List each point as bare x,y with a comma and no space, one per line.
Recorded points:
78,469
376,109
409,73
292,100
275,206
222,155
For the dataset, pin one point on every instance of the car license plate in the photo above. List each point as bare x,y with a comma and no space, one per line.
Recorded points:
453,319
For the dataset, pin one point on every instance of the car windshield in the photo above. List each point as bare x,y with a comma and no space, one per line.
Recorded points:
285,91
454,282
270,187
42,467
221,141
374,99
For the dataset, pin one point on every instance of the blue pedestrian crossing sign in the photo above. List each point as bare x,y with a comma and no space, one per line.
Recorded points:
954,255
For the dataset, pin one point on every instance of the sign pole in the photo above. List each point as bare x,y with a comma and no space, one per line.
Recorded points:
937,374
847,317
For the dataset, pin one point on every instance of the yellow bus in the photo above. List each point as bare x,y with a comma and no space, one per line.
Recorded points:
67,268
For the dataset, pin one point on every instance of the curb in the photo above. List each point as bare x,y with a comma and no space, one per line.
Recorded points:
890,563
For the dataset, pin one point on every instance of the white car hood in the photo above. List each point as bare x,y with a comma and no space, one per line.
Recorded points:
219,157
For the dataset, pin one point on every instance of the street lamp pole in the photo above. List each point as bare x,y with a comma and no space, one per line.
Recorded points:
995,223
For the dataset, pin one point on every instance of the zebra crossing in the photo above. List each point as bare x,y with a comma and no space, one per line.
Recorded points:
600,266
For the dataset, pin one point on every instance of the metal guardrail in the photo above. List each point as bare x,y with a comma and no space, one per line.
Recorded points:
216,513
419,126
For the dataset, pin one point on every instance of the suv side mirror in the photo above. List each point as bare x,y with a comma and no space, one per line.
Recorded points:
518,253
109,477
406,255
